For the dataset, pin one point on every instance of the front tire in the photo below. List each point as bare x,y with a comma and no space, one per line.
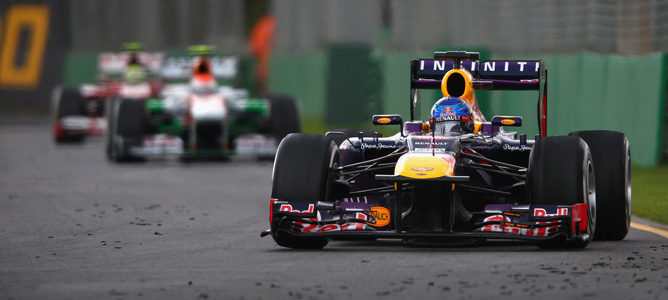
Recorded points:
302,174
612,161
561,172
67,102
110,108
127,118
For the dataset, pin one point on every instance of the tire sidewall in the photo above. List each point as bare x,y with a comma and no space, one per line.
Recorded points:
589,179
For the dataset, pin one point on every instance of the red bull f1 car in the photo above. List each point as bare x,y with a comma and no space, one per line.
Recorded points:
454,176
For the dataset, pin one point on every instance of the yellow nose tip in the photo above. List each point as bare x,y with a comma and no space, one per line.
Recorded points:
423,166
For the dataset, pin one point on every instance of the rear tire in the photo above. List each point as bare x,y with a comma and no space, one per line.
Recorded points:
302,174
561,172
127,118
67,102
612,161
283,117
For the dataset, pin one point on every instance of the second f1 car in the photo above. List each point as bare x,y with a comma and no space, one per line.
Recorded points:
199,120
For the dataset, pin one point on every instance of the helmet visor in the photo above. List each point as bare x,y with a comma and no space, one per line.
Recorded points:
446,127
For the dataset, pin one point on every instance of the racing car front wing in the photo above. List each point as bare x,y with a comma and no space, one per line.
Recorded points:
497,221
162,145
80,126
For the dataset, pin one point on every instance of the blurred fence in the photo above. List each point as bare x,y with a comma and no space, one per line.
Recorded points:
508,27
159,24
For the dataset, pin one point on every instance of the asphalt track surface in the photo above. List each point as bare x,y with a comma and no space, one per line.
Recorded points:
74,226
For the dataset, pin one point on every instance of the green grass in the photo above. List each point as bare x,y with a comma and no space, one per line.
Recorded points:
650,193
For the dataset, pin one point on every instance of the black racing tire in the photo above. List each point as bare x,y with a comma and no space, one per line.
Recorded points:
67,102
110,139
128,121
350,133
283,117
612,162
561,172
110,115
302,174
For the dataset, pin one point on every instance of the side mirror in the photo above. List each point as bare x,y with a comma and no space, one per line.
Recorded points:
387,120
507,121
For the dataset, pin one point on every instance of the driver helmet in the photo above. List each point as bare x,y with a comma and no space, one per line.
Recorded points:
203,84
451,115
134,75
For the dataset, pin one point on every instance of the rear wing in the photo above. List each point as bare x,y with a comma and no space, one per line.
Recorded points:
223,67
521,75
116,63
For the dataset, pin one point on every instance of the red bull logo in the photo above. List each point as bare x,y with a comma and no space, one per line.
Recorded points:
449,111
288,208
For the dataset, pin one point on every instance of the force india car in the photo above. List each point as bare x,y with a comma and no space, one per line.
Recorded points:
80,112
456,177
200,119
